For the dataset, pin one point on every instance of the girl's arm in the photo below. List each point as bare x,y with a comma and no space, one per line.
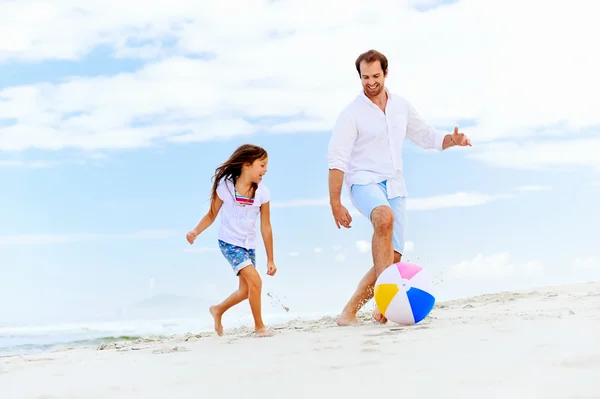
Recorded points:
266,231
210,216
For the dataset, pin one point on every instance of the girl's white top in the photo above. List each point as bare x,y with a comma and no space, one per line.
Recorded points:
238,222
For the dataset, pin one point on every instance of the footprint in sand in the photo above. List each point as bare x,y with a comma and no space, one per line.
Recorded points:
327,347
381,334
369,363
370,342
370,345
582,362
390,332
170,350
370,350
40,359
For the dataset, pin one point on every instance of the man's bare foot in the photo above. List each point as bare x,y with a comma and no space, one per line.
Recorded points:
262,333
347,320
378,317
217,317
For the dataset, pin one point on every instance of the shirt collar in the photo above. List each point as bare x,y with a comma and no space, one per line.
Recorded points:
371,103
231,186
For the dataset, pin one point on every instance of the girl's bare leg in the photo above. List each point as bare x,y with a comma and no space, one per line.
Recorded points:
236,297
250,274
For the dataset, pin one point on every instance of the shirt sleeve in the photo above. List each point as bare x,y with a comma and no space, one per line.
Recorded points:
422,134
341,142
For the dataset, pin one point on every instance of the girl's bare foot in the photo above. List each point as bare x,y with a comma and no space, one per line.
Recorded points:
214,311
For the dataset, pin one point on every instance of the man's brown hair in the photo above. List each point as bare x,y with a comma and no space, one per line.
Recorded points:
372,56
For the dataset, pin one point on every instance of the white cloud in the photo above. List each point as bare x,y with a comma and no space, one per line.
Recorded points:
550,154
409,246
340,257
363,246
585,263
457,200
533,188
294,254
496,265
19,161
27,164
594,183
45,239
288,60
460,199
301,203
317,250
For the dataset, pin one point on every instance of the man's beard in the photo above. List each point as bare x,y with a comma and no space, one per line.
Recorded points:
373,92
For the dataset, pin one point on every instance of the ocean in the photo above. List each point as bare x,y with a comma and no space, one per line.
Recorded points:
43,338
34,339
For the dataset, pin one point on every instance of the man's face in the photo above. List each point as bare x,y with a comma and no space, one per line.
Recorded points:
372,78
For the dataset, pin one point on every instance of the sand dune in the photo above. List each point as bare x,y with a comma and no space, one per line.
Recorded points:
543,343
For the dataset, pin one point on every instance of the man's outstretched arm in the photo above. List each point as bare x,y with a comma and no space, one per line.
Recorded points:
447,143
424,135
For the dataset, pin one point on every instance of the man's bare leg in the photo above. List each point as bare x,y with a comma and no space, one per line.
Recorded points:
382,248
383,256
362,295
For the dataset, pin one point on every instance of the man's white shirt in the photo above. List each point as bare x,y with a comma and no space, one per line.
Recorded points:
366,143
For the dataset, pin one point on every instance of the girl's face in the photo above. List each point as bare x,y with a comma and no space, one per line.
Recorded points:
257,170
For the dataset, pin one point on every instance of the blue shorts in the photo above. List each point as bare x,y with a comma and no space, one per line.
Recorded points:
367,197
237,257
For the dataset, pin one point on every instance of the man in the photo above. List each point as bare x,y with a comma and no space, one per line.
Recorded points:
365,151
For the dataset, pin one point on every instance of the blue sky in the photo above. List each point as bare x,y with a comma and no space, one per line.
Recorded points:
107,150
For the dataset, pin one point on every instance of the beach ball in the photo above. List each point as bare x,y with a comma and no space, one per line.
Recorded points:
404,293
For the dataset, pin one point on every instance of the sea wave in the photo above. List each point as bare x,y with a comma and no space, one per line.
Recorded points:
43,338
31,339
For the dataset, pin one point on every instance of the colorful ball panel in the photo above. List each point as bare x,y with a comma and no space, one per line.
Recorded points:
404,293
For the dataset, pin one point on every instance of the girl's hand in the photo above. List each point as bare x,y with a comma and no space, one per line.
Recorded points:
271,268
191,236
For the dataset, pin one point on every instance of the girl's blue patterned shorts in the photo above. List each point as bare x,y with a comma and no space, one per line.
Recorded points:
238,257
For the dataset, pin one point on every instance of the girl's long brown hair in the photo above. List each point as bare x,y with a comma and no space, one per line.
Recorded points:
232,168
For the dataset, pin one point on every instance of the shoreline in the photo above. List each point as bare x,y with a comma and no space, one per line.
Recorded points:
296,322
95,338
538,343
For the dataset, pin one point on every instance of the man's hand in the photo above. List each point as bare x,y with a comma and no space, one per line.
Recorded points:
341,215
460,139
271,268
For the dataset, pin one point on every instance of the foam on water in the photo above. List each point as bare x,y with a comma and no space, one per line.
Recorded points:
43,338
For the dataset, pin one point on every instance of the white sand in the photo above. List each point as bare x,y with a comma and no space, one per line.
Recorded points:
539,344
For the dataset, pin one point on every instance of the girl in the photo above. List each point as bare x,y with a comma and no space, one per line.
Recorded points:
239,195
